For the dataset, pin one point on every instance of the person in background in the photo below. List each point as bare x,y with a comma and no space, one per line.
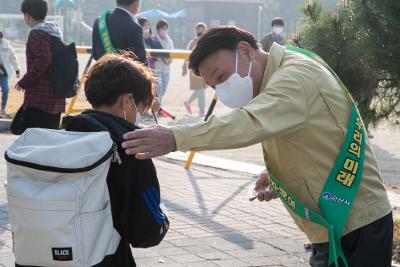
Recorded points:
197,84
9,63
162,66
125,31
275,36
150,40
42,105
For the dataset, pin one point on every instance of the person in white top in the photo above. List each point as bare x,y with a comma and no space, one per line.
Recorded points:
162,66
8,64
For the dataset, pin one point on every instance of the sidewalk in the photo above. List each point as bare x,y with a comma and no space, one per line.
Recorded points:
212,222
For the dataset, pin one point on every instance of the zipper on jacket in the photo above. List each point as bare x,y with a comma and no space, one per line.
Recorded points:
116,157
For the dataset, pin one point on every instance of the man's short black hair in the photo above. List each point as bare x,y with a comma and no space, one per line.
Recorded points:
37,9
217,38
126,2
277,21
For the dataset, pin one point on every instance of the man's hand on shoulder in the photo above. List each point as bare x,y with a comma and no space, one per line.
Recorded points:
149,142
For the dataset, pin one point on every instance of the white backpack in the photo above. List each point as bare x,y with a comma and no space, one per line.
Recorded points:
58,200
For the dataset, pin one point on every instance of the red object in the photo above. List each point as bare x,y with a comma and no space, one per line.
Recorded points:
38,91
167,113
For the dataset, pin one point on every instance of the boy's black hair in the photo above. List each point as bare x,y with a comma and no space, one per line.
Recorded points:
217,38
37,9
116,75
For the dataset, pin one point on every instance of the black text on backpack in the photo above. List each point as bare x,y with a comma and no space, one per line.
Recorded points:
64,69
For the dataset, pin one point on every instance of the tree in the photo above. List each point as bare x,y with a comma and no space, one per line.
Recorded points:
350,39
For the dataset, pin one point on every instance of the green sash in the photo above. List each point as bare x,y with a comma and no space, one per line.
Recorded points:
341,186
105,35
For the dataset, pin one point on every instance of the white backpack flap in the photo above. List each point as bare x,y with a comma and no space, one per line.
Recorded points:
58,199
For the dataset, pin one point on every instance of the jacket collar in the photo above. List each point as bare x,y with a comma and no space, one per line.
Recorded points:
124,11
275,59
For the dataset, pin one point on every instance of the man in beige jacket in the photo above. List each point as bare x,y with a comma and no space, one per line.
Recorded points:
297,110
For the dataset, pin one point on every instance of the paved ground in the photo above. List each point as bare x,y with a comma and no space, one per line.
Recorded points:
212,222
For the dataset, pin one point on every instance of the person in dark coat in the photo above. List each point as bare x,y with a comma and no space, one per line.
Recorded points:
125,32
119,90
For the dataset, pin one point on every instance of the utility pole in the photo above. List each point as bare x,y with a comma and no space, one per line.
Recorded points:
79,20
260,11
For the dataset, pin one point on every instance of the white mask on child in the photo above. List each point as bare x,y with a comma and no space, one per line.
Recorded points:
138,115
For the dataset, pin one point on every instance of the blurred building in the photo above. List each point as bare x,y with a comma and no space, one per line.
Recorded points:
244,14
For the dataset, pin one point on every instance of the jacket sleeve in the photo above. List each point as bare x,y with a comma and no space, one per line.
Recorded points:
280,109
135,42
148,222
97,45
42,58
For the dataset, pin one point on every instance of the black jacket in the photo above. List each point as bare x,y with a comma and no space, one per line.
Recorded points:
125,34
133,187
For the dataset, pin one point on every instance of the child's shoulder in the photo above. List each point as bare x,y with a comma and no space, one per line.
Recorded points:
37,34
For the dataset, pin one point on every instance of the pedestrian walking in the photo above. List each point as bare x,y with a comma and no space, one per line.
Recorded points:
197,84
163,65
8,65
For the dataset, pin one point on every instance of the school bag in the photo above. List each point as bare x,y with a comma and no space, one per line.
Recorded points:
58,199
64,68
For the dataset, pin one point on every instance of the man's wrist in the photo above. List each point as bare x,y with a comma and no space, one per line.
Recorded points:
179,139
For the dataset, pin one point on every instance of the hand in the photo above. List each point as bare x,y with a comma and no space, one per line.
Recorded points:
155,106
149,142
19,88
261,185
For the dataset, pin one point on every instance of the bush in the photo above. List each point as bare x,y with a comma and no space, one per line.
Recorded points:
361,43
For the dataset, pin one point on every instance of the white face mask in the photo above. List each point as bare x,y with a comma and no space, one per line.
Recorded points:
236,91
277,29
138,115
163,32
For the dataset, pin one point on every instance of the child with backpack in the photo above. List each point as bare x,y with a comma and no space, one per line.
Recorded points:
120,90
42,106
74,197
